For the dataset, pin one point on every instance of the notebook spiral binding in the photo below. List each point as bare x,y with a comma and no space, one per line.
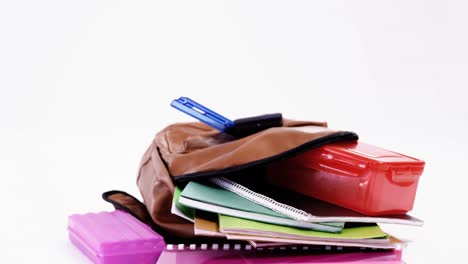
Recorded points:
252,196
247,247
207,247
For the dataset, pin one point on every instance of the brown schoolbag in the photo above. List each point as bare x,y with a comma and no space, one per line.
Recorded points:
193,151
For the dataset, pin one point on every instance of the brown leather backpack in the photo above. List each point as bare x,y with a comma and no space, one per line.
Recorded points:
194,151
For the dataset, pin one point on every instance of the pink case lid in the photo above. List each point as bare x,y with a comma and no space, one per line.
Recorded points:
114,233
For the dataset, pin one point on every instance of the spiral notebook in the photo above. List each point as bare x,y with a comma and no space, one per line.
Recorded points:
245,253
215,199
304,208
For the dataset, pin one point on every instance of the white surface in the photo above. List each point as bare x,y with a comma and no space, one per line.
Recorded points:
84,86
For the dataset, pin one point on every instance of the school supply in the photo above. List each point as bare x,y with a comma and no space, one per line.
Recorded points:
181,210
364,178
202,113
188,151
362,235
259,244
291,204
206,224
392,243
228,167
260,199
237,253
254,232
218,200
237,128
114,238
259,235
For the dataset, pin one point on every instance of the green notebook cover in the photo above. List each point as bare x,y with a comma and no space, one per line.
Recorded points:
216,195
229,224
210,194
187,211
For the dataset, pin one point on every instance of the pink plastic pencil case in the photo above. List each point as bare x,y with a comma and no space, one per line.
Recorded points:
114,238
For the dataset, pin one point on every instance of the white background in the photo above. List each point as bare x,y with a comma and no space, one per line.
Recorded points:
84,86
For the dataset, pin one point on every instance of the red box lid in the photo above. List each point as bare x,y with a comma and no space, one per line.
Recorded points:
357,158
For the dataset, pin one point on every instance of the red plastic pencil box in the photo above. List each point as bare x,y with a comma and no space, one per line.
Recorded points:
355,175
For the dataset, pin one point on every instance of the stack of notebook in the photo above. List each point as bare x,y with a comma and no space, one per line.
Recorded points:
269,217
